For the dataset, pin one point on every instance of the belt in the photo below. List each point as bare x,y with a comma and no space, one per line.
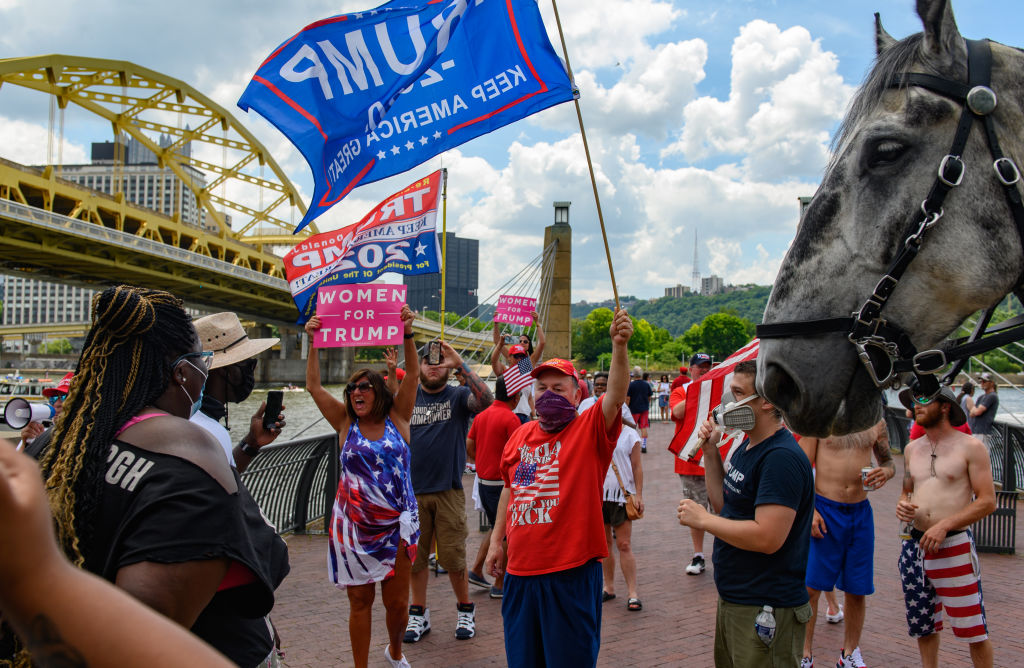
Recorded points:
917,533
491,483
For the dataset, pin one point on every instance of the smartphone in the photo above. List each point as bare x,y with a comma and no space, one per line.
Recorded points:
273,409
434,355
511,340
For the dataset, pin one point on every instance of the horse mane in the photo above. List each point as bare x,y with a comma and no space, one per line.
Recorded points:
892,61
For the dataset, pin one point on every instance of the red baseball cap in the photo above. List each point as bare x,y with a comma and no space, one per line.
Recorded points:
400,373
561,366
62,387
517,350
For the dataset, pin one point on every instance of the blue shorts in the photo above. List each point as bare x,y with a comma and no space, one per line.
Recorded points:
553,619
844,557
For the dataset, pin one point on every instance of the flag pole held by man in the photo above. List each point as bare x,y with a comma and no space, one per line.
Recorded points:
370,94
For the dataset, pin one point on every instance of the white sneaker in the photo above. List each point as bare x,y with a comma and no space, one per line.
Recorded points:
807,662
836,618
419,624
696,566
854,660
399,663
465,628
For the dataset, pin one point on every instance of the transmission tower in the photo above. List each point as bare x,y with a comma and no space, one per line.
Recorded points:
695,276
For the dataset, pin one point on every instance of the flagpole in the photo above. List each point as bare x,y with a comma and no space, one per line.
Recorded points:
444,242
590,164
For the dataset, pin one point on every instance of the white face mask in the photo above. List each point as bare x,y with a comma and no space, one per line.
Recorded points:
733,414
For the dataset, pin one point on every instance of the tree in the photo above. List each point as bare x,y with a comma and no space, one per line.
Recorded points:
723,334
56,347
590,337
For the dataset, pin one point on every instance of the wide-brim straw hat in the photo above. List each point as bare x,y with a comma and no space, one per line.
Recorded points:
223,335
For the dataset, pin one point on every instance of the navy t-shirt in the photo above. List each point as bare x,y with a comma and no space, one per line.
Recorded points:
438,431
639,393
775,471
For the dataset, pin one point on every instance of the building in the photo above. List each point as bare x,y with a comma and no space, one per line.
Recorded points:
712,285
677,291
461,282
143,182
28,301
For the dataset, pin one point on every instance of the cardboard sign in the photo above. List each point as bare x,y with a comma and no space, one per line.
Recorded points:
368,314
515,310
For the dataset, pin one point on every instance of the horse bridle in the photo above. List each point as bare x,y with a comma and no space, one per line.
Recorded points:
885,349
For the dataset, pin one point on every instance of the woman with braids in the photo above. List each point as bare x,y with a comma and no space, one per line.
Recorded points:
375,525
146,499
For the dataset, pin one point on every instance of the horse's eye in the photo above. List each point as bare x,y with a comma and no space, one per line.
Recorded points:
884,152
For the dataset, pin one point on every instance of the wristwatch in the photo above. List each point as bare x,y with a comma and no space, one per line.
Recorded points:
409,335
247,449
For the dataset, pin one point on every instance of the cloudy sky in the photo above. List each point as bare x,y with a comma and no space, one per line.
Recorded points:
707,117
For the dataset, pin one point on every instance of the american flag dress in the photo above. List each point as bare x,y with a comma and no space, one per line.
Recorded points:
374,510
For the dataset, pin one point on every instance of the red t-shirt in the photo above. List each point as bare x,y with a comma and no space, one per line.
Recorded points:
917,431
679,381
491,429
687,466
584,389
553,521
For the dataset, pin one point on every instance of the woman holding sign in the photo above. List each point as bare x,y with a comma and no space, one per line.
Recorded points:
375,524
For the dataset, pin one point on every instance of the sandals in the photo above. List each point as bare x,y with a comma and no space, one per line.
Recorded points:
605,596
634,605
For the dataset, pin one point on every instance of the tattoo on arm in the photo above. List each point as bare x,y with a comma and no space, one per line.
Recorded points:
908,481
49,648
883,455
481,395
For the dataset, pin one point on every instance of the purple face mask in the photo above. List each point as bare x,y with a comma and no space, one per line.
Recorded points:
554,411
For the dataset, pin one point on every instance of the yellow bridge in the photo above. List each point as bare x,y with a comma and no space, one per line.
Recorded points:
53,228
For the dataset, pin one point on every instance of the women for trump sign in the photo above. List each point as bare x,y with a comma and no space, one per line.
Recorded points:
368,314
515,310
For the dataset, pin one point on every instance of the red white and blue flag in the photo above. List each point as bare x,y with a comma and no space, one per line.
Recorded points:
517,376
703,395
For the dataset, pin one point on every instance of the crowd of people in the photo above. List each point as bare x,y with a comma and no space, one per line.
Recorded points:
143,481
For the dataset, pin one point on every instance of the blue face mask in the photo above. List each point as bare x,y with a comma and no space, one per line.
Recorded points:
199,400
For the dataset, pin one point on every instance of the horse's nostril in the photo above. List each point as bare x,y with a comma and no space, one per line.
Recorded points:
781,388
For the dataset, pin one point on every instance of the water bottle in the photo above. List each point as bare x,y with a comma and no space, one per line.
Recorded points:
764,625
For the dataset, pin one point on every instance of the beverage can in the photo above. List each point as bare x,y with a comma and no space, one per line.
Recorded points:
864,478
905,528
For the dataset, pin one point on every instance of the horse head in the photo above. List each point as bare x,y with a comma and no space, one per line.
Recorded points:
886,157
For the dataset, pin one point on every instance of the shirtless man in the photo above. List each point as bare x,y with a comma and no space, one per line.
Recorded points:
843,529
949,475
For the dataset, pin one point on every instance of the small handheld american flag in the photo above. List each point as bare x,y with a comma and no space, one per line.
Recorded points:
517,376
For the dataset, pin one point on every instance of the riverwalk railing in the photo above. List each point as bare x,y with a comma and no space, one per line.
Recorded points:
997,532
294,482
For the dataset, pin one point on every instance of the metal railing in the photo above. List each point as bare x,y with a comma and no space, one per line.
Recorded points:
998,531
294,482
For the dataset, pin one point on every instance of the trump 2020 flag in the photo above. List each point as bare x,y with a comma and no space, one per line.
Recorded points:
703,395
370,94
399,234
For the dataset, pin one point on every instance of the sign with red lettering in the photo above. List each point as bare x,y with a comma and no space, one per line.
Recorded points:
368,314
515,310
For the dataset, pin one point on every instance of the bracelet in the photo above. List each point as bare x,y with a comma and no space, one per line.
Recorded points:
247,449
409,335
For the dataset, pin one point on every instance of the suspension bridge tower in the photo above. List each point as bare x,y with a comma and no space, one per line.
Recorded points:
557,273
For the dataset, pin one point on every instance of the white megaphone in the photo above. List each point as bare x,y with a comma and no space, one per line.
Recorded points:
18,413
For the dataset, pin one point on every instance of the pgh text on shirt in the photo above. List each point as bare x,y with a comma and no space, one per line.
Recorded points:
553,521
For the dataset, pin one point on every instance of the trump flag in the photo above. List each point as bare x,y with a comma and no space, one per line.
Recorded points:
703,395
367,95
399,234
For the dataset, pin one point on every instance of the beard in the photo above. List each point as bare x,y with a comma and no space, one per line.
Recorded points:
432,385
928,418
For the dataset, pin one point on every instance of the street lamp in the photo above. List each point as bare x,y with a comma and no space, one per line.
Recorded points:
562,213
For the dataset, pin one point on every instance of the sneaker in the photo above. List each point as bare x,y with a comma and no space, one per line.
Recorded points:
807,662
854,660
696,566
400,663
496,593
478,580
466,627
419,624
836,618
434,566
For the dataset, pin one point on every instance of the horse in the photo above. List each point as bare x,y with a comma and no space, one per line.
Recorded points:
827,379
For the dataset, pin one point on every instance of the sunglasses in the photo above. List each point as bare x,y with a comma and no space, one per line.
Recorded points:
52,399
923,400
362,386
205,358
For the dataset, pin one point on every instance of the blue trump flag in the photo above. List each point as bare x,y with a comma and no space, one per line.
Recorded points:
371,94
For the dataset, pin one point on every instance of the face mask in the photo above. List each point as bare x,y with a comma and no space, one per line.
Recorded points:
554,411
199,400
245,386
736,414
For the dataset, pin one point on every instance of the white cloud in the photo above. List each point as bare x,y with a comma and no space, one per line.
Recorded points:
27,143
785,97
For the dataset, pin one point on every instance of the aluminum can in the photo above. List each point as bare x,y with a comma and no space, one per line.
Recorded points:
864,478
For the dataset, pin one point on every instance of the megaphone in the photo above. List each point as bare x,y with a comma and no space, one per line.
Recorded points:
18,413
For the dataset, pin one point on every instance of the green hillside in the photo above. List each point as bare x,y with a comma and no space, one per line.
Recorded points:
678,314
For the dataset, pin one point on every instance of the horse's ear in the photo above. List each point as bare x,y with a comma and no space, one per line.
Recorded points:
942,38
883,40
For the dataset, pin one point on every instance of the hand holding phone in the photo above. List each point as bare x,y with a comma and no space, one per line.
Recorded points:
274,399
434,355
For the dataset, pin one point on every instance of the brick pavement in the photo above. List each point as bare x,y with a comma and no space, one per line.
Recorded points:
676,626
